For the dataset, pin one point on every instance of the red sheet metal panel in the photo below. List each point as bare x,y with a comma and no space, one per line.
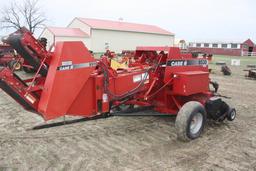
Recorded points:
69,70
190,82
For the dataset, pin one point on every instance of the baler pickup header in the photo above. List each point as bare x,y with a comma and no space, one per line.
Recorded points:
69,81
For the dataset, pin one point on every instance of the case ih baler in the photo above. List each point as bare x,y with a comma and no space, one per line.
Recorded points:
69,81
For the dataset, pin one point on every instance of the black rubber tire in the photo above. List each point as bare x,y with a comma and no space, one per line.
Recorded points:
231,114
184,120
13,64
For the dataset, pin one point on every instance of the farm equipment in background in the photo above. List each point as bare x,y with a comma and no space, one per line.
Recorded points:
226,70
10,58
201,55
252,73
251,69
69,81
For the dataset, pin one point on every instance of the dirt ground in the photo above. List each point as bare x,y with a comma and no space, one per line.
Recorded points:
132,143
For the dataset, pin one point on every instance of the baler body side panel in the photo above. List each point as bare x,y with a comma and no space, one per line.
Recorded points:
191,82
190,76
85,102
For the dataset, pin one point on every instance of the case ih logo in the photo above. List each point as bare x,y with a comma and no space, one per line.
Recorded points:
187,62
69,66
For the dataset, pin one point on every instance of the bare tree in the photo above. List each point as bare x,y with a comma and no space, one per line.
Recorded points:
27,14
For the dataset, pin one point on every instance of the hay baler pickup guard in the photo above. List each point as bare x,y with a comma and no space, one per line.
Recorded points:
69,81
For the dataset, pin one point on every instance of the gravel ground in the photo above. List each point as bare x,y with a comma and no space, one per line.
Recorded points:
132,143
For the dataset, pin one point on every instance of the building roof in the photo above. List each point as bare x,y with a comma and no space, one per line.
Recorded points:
123,26
67,32
249,42
218,42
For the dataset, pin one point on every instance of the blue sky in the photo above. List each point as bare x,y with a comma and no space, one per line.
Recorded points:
190,20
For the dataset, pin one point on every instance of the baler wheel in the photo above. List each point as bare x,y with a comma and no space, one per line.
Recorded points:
231,114
190,121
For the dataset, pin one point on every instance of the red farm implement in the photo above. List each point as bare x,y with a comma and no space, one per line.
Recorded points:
69,81
9,58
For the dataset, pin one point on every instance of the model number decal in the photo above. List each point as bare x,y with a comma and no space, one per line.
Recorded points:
71,66
187,62
66,63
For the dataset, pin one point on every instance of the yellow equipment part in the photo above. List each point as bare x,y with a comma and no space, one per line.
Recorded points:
116,65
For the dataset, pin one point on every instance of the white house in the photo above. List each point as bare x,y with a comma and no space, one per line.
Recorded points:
115,35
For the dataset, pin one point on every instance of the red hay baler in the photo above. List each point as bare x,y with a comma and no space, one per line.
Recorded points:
69,81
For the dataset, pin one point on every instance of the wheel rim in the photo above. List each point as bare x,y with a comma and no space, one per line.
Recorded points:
233,114
17,66
196,123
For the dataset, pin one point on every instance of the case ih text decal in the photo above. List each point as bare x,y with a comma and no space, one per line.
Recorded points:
174,63
67,65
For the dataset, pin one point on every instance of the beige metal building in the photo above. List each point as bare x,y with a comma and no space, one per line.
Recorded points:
101,35
55,34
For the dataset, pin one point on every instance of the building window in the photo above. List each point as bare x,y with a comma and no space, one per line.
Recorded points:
198,45
206,45
224,45
106,45
215,45
234,46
